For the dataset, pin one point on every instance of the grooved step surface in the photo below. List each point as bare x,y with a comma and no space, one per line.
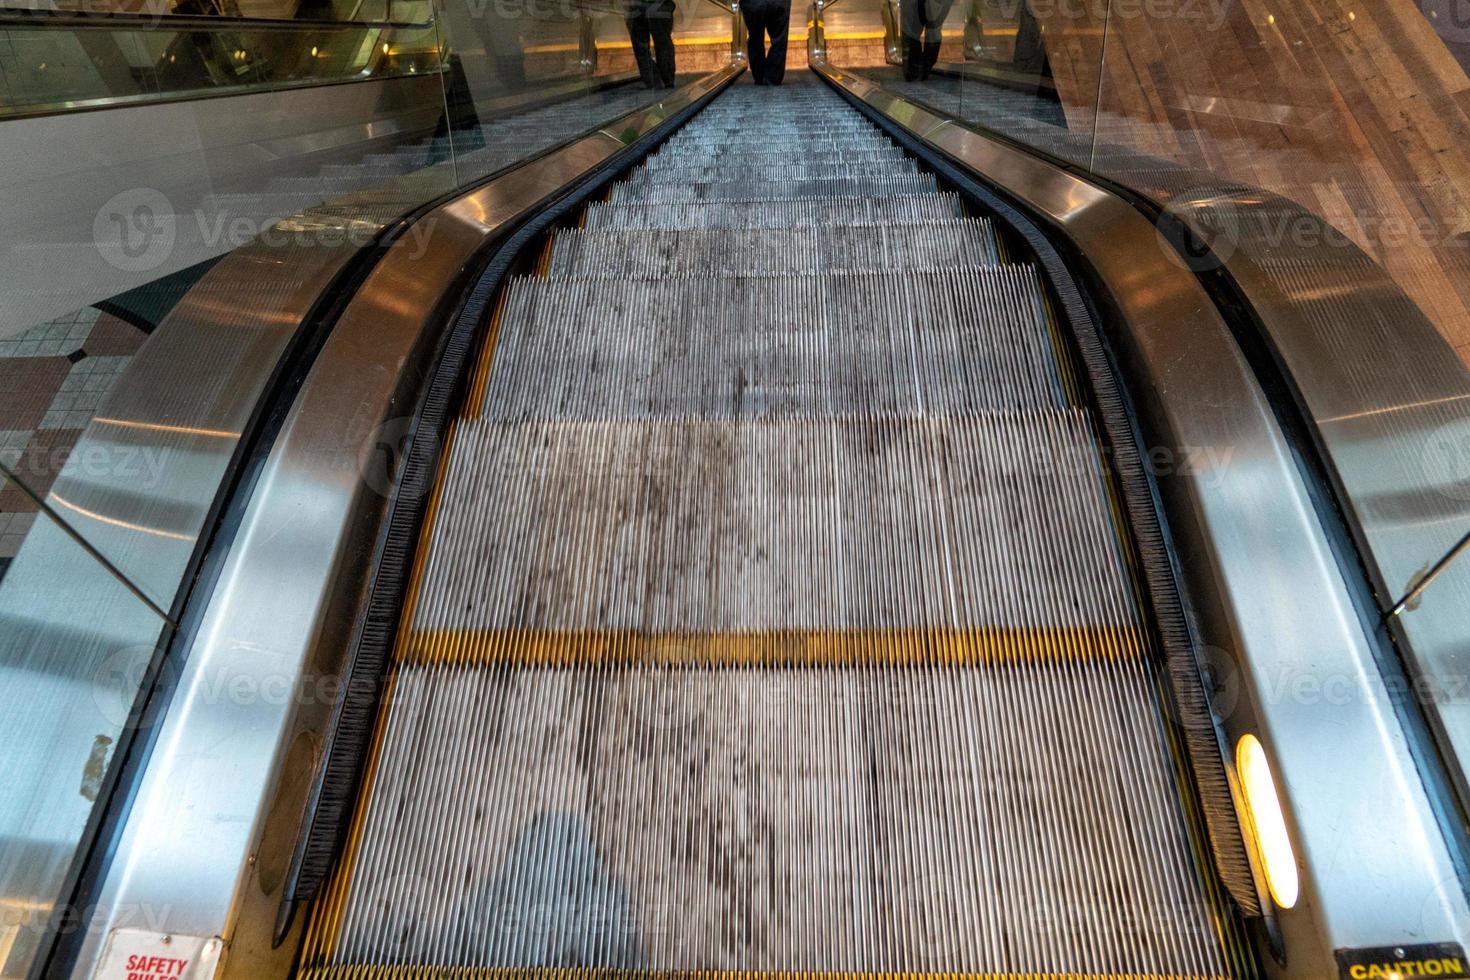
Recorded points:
737,161
783,172
725,251
794,213
737,188
868,345
730,526
772,619
797,819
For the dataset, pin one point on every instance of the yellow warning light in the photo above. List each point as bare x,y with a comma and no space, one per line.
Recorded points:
1268,823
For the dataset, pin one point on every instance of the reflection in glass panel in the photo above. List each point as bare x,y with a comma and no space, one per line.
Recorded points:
75,645
525,77
986,61
53,66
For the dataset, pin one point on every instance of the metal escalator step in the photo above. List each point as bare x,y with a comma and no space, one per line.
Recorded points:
674,527
825,142
962,822
746,252
950,342
811,213
711,153
772,131
744,190
781,169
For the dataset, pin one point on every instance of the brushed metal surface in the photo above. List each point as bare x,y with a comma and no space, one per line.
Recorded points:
257,688
1390,400
1387,393
68,683
1269,597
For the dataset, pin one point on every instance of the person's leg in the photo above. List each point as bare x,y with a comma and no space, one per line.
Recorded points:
755,40
661,21
911,29
638,34
935,11
778,21
932,41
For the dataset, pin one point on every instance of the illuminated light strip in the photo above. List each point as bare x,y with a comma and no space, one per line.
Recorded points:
628,45
1267,822
183,430
994,645
118,522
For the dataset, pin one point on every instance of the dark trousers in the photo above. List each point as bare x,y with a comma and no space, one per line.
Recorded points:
765,18
653,19
920,22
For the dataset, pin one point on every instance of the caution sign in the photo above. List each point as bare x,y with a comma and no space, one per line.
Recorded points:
1444,960
135,954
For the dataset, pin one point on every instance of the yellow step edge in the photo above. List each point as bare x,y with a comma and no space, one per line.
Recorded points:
582,973
989,646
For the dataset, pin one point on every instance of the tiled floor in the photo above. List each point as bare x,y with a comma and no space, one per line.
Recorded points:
53,378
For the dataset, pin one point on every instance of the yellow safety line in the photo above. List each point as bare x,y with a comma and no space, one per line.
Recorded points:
324,928
909,647
679,42
397,972
483,358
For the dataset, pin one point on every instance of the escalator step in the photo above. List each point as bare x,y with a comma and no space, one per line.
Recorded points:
733,161
947,342
782,171
957,242
755,190
792,213
840,823
673,527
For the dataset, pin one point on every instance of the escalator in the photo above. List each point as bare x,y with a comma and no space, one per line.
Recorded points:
774,610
